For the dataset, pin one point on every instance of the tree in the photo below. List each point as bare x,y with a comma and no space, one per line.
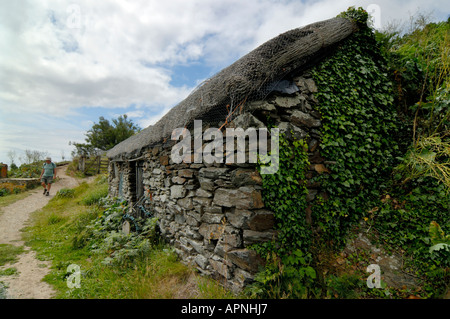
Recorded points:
105,135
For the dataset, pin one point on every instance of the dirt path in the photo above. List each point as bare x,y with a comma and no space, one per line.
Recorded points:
27,283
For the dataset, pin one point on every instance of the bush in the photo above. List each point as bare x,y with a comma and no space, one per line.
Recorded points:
10,188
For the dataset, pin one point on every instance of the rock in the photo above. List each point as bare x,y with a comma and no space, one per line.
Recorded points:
185,203
211,231
187,173
320,168
241,177
212,218
178,180
206,184
262,220
247,120
306,85
303,119
253,237
203,193
164,160
201,261
259,105
244,197
291,131
221,268
246,259
212,172
197,245
313,144
288,102
239,217
177,191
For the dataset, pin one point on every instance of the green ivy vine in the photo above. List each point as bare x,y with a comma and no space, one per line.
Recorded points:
359,128
359,124
288,270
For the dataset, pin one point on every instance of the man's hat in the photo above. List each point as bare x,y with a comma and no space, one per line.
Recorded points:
48,159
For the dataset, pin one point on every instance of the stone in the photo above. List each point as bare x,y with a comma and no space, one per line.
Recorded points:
244,197
253,237
213,172
313,144
247,120
311,85
197,245
185,203
287,101
206,184
211,231
203,193
201,261
164,160
261,221
177,191
226,243
187,173
203,201
239,217
221,268
303,119
306,85
242,177
155,151
320,168
259,105
178,180
246,259
242,278
212,218
180,219
292,132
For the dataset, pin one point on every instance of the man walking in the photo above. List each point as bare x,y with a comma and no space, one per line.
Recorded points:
47,175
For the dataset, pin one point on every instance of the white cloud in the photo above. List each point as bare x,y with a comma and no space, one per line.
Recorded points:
60,58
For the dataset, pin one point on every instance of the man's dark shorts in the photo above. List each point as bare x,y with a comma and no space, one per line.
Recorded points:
47,179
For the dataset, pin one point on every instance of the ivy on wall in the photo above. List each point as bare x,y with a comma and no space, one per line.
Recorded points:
359,129
288,270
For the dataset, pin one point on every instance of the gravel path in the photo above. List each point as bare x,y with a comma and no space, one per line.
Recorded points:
27,282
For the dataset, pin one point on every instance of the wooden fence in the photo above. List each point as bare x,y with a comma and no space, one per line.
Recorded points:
91,165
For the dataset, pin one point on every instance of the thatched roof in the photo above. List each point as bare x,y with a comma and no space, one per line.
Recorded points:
261,67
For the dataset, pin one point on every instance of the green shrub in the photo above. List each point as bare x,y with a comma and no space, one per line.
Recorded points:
65,193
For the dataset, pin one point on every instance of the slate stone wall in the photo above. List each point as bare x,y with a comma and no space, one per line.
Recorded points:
212,213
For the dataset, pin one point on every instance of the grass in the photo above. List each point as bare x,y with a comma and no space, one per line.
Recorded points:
159,274
9,253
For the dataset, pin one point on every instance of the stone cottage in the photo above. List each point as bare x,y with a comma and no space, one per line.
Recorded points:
211,212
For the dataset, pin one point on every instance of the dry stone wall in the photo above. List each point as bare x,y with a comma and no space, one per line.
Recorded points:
212,213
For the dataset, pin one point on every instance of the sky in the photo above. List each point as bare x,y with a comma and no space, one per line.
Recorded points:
63,64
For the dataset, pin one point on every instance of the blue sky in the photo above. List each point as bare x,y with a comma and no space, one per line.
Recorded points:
63,64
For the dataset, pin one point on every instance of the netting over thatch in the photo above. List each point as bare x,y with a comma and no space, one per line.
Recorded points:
249,78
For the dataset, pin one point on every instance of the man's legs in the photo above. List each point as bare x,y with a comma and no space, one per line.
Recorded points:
47,184
45,187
